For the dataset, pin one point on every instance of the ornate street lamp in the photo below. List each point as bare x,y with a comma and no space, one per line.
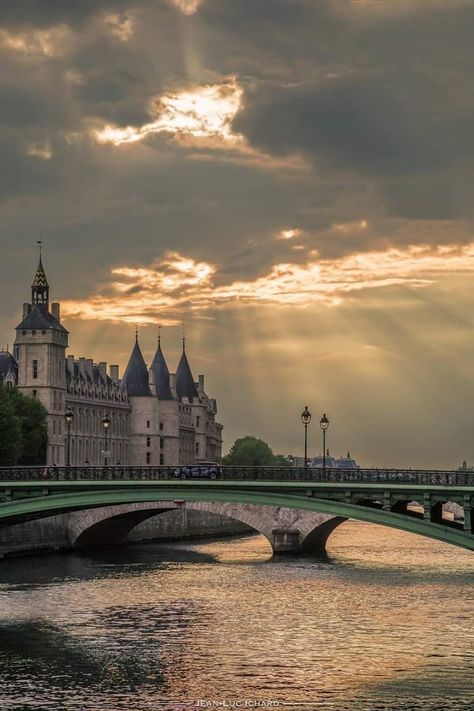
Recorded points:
306,419
324,424
68,416
106,424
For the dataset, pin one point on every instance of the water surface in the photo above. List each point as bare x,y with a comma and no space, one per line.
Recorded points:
384,624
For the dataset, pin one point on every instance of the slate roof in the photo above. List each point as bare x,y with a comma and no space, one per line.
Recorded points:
161,375
39,318
185,385
135,378
7,365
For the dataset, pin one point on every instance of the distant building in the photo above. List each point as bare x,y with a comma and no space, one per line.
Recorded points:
155,417
329,462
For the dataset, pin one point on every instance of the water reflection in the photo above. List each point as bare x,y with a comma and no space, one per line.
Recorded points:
384,623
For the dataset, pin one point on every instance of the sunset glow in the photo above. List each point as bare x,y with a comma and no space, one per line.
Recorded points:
291,179
204,111
176,283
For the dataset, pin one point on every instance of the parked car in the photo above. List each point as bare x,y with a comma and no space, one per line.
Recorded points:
199,470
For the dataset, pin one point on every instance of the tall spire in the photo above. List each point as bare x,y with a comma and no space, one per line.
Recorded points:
135,378
185,385
161,374
40,286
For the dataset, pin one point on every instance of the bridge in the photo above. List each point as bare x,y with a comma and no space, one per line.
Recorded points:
118,498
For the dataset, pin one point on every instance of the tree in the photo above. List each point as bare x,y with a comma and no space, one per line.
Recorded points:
252,452
31,419
34,430
10,431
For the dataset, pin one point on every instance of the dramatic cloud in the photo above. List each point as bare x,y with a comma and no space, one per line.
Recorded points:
204,112
160,293
303,167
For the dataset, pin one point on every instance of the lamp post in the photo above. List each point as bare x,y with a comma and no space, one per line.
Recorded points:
306,419
69,416
324,424
106,424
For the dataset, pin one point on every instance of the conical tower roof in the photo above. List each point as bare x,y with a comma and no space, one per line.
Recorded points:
135,378
40,276
161,374
185,385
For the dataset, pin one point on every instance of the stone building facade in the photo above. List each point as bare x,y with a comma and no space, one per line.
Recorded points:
154,417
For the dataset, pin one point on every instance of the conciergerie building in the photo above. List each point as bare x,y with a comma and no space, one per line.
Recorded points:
155,417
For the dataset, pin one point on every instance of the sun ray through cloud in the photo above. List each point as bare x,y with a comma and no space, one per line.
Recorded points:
201,111
176,283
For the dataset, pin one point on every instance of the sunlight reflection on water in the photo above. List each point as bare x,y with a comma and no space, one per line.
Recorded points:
384,623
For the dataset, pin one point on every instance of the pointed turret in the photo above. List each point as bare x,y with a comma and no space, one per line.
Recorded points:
185,385
40,286
161,374
36,316
135,378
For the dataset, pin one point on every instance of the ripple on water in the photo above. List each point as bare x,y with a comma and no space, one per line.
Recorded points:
385,624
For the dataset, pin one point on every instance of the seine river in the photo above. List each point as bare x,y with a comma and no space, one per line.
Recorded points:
385,624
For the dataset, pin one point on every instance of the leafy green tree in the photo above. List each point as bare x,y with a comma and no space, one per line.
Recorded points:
10,431
252,452
34,431
282,461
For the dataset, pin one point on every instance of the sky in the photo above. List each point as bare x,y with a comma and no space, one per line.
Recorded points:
292,179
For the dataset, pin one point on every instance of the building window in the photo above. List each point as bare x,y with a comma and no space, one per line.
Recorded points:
161,427
35,392
197,449
148,457
162,443
23,333
198,419
54,426
35,369
148,441
148,424
162,458
33,333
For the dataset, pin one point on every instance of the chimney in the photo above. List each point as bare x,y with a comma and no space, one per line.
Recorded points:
26,310
90,368
201,384
70,364
103,371
82,367
114,373
173,383
56,311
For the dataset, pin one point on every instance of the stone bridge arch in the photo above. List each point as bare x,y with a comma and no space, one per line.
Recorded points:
287,530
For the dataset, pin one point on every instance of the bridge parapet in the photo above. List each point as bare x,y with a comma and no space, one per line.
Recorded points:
125,473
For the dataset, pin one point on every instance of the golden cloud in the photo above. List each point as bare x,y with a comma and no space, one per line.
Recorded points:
202,112
48,43
188,7
162,291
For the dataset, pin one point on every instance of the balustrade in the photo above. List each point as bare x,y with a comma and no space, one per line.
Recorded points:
333,476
